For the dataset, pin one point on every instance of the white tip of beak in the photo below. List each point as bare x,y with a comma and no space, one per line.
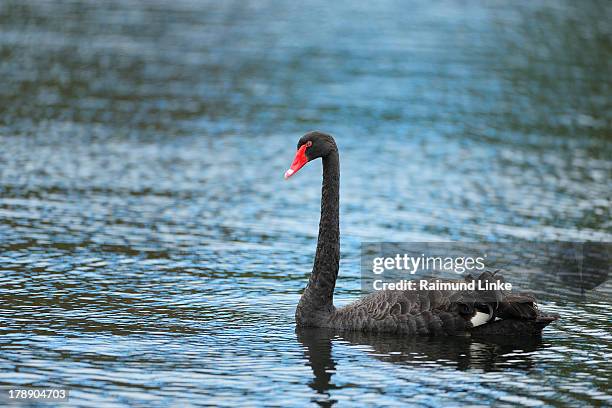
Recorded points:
289,173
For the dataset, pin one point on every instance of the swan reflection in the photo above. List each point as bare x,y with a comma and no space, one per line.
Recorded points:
459,353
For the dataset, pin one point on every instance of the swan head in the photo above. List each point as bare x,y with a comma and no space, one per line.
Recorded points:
311,146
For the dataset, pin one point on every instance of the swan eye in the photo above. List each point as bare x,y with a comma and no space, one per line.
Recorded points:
308,143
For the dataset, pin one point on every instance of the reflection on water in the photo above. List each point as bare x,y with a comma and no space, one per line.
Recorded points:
151,253
441,354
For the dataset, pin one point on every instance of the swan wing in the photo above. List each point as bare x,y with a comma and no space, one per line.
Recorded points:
405,312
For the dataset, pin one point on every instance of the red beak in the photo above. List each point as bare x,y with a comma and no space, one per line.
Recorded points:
298,162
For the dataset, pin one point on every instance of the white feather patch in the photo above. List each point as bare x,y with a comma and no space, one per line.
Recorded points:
480,319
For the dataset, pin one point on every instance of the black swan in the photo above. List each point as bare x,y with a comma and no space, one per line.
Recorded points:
410,312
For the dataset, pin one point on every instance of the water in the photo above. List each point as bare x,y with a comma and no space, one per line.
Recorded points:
152,255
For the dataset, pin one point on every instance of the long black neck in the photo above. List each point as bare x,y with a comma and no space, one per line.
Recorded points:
319,294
